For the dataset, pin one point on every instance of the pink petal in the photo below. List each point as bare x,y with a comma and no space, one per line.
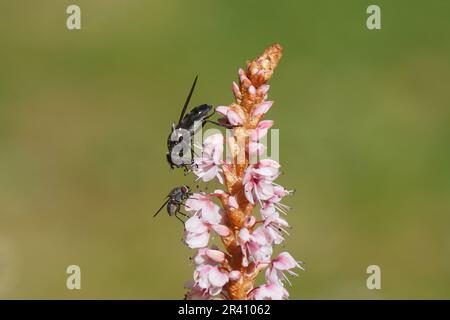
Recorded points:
195,225
217,156
262,108
244,235
194,240
249,221
235,275
265,124
266,171
232,202
262,129
219,177
193,203
252,90
222,110
209,174
234,118
214,139
212,214
217,278
284,261
221,230
263,89
248,192
268,212
270,292
236,91
256,149
265,191
269,163
199,258
216,255
260,236
247,176
272,276
242,75
213,291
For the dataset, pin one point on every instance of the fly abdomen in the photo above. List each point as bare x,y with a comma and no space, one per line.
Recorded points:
173,207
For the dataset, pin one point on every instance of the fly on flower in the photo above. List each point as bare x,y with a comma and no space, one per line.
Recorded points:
180,150
175,200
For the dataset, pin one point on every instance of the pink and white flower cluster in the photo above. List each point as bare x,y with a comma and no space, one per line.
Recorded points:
252,238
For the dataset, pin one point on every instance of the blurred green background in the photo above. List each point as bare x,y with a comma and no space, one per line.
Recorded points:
364,119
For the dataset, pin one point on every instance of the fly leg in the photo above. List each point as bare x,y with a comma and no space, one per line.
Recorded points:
182,213
205,120
178,211
176,215
228,126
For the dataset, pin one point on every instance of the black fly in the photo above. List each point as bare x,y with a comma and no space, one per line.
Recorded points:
175,200
179,139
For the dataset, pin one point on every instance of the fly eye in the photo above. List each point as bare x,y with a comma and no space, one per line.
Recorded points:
184,189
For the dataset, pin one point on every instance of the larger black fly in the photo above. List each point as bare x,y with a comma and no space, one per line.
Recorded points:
179,140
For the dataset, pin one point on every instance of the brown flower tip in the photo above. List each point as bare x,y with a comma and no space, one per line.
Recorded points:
252,89
260,70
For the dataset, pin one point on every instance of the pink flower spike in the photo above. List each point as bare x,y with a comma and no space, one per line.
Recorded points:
243,215
261,108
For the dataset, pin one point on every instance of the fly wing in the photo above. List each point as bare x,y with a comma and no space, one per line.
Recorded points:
183,111
161,207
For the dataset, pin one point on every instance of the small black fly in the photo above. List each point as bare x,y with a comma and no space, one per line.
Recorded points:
179,140
175,199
